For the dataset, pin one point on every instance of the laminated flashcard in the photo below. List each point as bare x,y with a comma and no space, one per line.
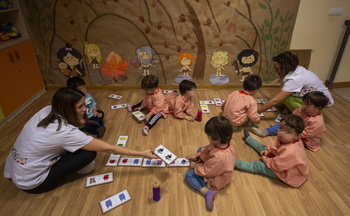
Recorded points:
182,162
153,163
115,201
99,179
166,155
129,161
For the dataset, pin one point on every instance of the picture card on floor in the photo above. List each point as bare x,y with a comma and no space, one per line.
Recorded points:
169,91
264,101
164,154
217,101
122,141
115,96
153,163
99,179
183,162
279,118
113,160
257,101
139,115
272,109
206,102
128,161
115,201
205,108
119,106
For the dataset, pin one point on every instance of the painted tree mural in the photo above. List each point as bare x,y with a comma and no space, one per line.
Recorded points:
199,27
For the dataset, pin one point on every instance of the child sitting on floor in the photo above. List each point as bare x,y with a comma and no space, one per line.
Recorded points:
284,159
240,106
213,170
310,112
95,125
153,101
181,105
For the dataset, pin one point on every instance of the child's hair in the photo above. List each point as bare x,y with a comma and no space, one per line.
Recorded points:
287,61
219,128
316,98
186,86
295,122
149,82
252,82
74,82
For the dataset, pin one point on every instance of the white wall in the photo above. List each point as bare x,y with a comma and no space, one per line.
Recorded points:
316,30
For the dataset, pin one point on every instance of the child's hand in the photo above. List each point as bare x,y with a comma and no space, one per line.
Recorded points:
264,159
192,164
148,116
95,113
137,109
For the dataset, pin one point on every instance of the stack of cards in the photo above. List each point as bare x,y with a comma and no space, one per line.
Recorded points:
99,179
164,154
114,96
115,200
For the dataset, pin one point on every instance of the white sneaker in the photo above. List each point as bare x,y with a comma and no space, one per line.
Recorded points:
128,107
145,130
87,169
259,132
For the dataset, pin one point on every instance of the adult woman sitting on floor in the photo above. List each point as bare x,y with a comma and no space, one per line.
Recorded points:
297,81
51,147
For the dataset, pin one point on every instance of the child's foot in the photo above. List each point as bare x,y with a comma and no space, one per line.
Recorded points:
246,133
145,130
128,106
209,199
259,132
100,131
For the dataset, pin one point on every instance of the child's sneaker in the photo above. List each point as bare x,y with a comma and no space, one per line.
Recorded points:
145,130
209,199
246,133
128,106
259,132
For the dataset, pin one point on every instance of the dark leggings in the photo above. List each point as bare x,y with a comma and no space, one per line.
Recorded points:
94,124
63,168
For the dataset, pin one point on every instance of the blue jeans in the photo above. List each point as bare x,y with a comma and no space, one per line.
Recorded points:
195,181
273,129
257,167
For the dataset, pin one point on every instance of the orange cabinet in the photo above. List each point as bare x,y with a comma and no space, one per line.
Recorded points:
20,76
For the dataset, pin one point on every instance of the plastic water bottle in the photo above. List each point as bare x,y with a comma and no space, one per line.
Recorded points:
156,191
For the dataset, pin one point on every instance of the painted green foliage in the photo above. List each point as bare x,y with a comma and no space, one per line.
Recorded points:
275,34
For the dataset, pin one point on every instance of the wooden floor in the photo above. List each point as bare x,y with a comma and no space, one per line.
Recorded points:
327,191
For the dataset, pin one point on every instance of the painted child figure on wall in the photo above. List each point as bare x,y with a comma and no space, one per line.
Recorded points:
218,60
93,52
145,57
70,62
185,59
246,58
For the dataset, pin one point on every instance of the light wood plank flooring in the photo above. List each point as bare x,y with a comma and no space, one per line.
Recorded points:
326,192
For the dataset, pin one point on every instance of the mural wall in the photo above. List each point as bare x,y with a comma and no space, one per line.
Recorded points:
118,42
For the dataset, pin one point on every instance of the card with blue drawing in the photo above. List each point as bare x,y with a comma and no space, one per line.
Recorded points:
129,161
113,160
153,163
115,201
205,108
169,91
218,102
139,115
115,96
122,141
164,154
99,179
206,102
279,117
180,162
118,106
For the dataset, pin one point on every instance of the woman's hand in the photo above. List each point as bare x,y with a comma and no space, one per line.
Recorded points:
149,154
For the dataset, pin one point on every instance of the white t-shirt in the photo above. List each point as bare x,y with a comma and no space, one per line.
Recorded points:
37,149
302,81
